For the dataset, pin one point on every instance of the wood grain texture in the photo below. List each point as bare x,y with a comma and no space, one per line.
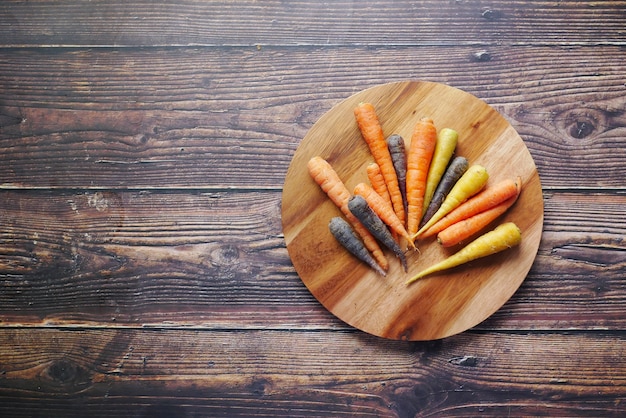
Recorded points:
218,259
101,111
143,152
309,22
191,373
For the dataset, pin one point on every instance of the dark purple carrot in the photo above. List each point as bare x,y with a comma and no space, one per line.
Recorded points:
453,173
359,208
345,235
397,149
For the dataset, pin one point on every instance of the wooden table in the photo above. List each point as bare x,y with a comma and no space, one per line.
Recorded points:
143,270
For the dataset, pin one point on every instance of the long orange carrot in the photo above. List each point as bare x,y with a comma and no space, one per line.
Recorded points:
484,200
460,231
383,210
421,150
378,182
372,133
328,179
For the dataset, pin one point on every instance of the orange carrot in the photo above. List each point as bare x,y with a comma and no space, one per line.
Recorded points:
466,228
383,210
421,150
328,180
378,182
372,132
484,200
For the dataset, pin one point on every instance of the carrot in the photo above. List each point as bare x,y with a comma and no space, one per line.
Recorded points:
420,154
486,199
453,173
359,208
372,132
460,231
345,235
328,179
504,236
378,181
470,183
397,149
444,148
383,210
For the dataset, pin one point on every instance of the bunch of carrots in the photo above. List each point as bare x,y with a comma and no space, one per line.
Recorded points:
414,194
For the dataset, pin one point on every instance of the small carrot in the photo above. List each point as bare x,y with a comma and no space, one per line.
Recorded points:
397,149
468,185
359,208
378,181
328,180
423,140
460,231
345,235
453,173
446,144
383,210
372,133
504,236
486,199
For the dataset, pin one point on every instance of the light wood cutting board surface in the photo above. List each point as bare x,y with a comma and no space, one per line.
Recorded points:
440,305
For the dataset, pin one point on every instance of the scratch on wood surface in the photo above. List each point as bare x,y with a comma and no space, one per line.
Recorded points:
468,361
600,255
11,186
106,161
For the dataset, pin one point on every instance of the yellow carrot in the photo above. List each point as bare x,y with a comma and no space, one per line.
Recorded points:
503,237
444,148
470,183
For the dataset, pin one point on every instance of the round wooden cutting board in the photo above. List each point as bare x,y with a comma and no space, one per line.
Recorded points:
442,304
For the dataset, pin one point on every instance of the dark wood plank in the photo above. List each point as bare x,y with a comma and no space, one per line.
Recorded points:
208,126
582,259
309,22
144,257
142,267
267,373
218,259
